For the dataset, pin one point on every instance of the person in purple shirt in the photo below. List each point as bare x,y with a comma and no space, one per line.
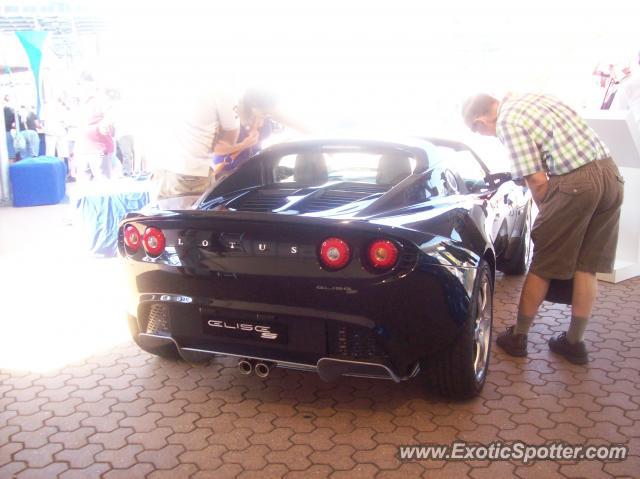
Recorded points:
259,116
249,143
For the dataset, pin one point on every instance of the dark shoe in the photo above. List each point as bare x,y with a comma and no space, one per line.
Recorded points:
513,344
575,353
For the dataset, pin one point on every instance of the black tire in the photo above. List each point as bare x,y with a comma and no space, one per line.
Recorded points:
454,373
518,265
168,351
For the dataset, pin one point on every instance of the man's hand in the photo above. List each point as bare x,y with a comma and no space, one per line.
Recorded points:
225,147
538,184
252,139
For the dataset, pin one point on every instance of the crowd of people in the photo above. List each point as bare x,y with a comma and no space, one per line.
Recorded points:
22,128
86,129
94,132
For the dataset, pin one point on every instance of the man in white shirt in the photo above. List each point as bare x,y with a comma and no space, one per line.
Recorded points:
182,147
199,124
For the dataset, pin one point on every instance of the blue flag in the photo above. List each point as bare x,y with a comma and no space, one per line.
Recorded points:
32,43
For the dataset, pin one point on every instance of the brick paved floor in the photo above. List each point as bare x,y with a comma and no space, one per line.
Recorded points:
123,413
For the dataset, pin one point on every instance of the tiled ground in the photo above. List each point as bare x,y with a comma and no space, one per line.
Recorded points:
123,413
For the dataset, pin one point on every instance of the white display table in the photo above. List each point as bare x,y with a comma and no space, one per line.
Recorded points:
620,133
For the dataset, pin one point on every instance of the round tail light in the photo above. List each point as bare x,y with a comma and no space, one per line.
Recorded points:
334,253
132,238
153,241
383,254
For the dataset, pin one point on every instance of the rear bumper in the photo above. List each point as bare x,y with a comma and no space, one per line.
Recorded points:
375,330
329,369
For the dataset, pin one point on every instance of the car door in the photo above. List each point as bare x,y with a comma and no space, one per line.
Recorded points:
493,191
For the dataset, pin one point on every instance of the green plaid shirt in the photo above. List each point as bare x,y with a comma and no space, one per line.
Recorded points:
543,134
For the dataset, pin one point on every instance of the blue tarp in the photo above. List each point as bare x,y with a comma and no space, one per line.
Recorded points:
101,214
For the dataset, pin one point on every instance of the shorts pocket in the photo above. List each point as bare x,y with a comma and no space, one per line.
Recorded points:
575,189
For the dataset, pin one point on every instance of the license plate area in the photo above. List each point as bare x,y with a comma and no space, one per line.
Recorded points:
245,326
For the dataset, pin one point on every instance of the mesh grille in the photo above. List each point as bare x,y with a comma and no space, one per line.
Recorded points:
354,343
158,321
345,194
262,200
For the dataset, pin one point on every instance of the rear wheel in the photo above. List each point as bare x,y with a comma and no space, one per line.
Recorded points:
460,371
520,261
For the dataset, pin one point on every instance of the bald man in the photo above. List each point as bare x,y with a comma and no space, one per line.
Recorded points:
578,190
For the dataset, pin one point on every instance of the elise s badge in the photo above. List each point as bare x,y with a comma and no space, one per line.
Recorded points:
263,331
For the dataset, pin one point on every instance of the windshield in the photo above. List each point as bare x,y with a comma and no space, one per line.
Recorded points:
463,163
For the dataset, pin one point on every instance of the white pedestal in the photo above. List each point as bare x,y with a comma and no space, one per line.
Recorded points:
619,132
627,263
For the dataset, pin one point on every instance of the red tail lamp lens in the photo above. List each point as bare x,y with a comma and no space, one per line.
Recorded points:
383,254
153,241
334,253
132,238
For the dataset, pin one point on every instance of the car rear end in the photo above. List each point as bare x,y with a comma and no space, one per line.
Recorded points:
336,296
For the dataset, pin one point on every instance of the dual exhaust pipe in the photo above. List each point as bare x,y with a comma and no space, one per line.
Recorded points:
247,366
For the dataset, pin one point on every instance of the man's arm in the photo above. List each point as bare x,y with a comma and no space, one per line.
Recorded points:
222,148
526,161
538,183
225,143
226,136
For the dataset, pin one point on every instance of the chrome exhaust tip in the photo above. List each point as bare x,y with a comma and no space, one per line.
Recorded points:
245,367
263,370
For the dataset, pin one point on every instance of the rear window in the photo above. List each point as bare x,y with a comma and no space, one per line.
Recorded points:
316,168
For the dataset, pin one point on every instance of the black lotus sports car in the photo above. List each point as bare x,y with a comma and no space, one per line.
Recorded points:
345,257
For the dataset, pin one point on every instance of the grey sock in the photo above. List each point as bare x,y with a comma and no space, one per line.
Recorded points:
576,329
523,324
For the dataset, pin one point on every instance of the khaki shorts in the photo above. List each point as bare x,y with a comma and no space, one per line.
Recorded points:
172,184
577,227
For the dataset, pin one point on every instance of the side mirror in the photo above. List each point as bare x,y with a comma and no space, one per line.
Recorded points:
496,179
